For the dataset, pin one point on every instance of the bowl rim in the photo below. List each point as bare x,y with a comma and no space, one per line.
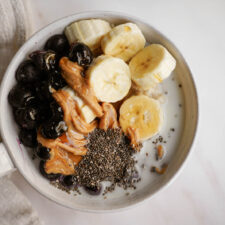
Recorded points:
96,14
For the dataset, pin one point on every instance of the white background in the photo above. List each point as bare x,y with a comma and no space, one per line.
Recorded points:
197,27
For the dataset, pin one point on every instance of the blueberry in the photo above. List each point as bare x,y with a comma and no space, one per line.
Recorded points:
68,181
18,96
27,72
44,112
57,43
29,117
53,128
26,118
81,54
31,101
43,152
56,110
28,137
44,60
43,91
56,80
33,113
93,190
18,115
50,176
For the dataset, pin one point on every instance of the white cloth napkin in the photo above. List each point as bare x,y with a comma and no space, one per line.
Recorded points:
15,209
15,27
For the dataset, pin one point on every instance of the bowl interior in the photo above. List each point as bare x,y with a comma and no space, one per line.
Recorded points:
22,157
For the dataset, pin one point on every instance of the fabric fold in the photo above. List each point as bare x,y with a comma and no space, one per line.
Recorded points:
15,27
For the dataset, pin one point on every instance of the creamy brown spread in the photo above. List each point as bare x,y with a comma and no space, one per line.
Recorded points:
73,120
63,157
72,73
61,162
134,137
109,119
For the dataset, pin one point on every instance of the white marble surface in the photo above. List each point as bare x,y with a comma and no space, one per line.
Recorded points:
198,194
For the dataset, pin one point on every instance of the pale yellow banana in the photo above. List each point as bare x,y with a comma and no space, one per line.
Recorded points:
143,114
90,32
123,41
151,65
109,77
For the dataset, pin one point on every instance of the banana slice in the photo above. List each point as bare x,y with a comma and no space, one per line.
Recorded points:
110,78
90,32
84,109
143,114
151,65
123,41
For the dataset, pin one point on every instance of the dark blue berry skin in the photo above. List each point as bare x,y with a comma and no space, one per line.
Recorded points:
44,60
93,190
56,80
25,118
81,54
19,96
44,113
50,176
43,91
27,73
31,101
28,137
53,128
43,152
56,110
68,181
57,43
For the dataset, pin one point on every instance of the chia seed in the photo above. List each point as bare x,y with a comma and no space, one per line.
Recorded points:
59,185
109,158
158,140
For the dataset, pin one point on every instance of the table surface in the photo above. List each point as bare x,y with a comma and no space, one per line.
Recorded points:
198,195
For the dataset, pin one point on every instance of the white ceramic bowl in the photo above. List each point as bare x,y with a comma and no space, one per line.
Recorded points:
22,159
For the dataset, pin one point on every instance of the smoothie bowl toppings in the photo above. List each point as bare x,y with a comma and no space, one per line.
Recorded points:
88,101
